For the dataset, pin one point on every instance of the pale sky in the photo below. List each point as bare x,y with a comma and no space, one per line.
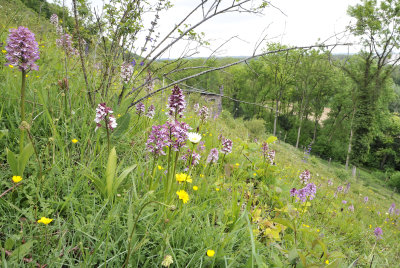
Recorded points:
302,24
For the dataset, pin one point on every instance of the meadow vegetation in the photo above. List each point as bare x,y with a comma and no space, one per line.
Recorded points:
169,182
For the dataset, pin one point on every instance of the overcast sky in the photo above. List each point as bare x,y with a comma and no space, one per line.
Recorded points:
296,22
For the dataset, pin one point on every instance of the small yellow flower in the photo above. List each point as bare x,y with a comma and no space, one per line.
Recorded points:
11,66
118,115
217,189
74,141
162,110
201,175
195,188
182,177
210,134
160,167
16,179
3,51
42,46
37,76
45,220
370,226
254,174
327,261
210,253
183,195
27,75
237,164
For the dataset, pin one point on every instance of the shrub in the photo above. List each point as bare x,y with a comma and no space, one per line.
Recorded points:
256,127
394,181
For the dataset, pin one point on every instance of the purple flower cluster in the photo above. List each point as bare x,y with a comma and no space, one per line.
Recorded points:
365,199
308,192
307,153
178,134
265,148
268,154
126,72
151,111
59,30
351,208
104,113
140,108
54,19
204,114
158,139
173,134
213,156
195,157
22,49
378,233
176,103
271,157
330,182
201,147
65,42
227,146
196,107
149,82
305,176
392,208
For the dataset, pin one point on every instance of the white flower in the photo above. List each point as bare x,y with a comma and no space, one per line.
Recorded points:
194,137
167,261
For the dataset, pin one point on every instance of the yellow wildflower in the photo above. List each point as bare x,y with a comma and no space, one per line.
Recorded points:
195,188
237,164
11,66
182,177
217,189
118,115
210,253
16,179
327,261
201,175
45,220
160,167
74,141
3,51
182,194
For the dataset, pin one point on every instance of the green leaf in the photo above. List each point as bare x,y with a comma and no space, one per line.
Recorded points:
110,171
322,244
284,222
24,157
271,139
3,132
22,250
13,162
122,176
9,244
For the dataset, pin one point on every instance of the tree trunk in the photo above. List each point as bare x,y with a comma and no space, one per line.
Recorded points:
276,115
351,139
298,133
384,160
315,129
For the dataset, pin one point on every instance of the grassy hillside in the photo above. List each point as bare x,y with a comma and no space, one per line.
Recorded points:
111,209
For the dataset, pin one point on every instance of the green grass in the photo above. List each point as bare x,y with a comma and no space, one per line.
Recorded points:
250,221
